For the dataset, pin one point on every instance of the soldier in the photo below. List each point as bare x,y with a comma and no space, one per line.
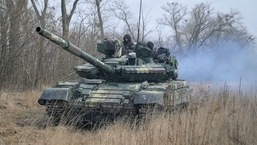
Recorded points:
150,45
144,52
163,54
128,44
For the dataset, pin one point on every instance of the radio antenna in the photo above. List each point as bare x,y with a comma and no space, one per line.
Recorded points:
139,20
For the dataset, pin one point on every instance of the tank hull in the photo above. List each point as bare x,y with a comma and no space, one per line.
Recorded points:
94,101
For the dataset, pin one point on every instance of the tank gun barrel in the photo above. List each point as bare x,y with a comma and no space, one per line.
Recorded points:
66,45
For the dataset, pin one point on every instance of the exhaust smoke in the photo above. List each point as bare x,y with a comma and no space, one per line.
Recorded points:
228,63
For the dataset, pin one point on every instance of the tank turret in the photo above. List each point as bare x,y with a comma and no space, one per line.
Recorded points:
114,68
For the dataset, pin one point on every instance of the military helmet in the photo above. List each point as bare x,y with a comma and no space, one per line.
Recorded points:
127,36
150,45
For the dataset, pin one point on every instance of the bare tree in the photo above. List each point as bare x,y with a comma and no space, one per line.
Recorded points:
146,30
4,45
92,23
41,15
229,27
197,28
205,26
173,17
100,18
66,18
13,41
122,12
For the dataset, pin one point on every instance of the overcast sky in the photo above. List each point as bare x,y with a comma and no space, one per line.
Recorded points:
247,8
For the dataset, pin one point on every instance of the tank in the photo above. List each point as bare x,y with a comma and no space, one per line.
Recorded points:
115,85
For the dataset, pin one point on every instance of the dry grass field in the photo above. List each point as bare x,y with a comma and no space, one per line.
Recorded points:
215,116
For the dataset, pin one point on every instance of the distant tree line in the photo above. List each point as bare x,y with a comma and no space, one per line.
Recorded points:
203,28
30,61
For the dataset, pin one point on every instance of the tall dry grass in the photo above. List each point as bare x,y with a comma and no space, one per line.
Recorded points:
215,116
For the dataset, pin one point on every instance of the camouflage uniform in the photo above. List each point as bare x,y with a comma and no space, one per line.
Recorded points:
163,54
129,46
151,46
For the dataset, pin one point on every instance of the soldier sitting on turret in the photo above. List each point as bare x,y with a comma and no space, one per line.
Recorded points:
128,44
170,62
144,53
163,54
151,46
